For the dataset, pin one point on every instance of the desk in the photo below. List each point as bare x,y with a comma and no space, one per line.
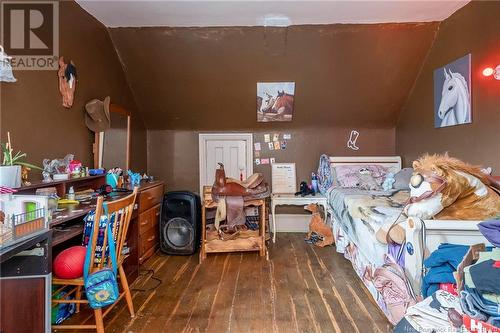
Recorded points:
143,233
292,200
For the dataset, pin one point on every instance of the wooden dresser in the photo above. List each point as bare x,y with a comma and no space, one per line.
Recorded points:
148,218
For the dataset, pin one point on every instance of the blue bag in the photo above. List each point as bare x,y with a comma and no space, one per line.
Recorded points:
101,287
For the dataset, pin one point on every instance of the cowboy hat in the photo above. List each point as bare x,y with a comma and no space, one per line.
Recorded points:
97,116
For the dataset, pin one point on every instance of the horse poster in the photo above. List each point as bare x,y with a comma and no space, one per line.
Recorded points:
275,101
452,93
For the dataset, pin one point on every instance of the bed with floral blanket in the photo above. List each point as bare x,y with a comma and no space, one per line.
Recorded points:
391,272
357,215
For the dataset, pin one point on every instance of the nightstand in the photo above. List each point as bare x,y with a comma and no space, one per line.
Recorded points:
292,200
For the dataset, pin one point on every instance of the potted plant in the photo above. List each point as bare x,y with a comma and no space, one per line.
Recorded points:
10,169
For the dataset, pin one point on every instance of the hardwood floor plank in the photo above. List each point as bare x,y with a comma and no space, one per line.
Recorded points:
221,314
301,288
341,269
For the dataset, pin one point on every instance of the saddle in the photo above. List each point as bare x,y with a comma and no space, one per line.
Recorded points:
231,194
224,186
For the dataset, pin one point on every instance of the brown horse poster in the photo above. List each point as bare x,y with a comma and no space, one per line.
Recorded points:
275,101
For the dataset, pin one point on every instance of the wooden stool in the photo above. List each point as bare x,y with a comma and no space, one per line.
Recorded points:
248,240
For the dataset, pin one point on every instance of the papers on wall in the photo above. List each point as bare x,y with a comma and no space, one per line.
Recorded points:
273,142
283,178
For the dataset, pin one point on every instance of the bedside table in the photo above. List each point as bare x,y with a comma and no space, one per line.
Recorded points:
292,200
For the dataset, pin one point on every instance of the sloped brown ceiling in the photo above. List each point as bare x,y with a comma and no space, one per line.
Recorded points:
205,78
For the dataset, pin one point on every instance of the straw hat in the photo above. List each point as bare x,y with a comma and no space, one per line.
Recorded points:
97,116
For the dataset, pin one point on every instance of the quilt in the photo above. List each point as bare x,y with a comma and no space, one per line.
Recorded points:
358,215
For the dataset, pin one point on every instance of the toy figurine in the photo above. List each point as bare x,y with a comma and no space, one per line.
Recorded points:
24,175
304,190
319,231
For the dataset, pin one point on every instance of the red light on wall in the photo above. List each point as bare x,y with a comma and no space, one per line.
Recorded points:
488,71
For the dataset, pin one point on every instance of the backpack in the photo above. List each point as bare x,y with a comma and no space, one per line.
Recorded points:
101,287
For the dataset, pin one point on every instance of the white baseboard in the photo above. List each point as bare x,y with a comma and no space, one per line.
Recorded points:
292,222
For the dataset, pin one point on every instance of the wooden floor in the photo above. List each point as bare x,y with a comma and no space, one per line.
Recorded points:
301,288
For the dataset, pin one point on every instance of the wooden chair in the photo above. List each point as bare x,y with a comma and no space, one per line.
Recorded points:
122,210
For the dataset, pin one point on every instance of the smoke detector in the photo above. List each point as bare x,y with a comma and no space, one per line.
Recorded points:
272,20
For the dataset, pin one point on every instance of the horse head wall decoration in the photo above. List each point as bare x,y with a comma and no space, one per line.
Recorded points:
455,106
67,82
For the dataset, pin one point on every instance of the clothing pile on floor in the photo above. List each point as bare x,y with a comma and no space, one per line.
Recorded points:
480,297
476,306
441,264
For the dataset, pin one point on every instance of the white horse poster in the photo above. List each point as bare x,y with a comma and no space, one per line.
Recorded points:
275,101
452,93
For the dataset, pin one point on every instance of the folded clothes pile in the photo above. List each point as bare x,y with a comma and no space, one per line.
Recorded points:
480,298
441,264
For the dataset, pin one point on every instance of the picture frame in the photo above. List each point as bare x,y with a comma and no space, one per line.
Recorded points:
283,178
452,93
275,101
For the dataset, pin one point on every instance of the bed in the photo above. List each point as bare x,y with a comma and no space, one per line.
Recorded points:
356,215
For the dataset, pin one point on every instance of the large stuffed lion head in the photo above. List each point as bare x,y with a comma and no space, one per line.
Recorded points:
447,188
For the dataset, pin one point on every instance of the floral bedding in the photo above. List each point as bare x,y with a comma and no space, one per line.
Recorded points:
357,216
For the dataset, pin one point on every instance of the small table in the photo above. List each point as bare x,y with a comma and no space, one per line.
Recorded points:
292,200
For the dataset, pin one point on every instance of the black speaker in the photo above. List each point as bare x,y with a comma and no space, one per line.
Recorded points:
180,225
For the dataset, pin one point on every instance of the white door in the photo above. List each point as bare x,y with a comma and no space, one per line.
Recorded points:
232,150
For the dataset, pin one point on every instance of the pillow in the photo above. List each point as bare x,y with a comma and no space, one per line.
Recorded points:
349,175
402,179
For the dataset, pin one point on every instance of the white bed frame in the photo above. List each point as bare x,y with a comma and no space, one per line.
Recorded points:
423,236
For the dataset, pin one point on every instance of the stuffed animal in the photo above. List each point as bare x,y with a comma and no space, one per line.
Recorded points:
446,188
366,180
319,227
388,182
304,190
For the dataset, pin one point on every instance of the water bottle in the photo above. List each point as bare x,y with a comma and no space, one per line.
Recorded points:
314,182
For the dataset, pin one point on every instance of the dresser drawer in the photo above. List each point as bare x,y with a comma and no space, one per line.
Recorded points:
148,242
149,219
150,197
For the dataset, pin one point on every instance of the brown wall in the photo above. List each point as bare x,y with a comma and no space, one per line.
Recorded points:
31,108
173,155
205,78
188,80
473,29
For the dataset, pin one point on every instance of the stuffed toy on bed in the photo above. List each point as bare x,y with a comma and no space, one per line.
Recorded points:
445,188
